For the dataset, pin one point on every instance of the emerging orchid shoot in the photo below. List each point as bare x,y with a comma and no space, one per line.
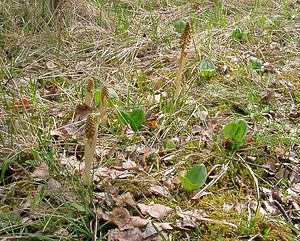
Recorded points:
103,106
91,132
89,92
185,39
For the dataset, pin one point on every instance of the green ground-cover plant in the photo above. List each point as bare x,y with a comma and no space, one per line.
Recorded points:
194,179
207,69
134,119
239,34
179,26
256,64
235,134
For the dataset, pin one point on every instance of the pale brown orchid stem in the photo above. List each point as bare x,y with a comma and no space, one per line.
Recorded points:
178,80
89,92
185,38
103,106
91,131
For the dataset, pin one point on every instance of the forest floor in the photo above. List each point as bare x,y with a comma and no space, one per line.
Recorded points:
48,55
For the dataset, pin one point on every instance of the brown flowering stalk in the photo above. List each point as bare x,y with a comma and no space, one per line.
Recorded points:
91,132
103,105
89,92
185,39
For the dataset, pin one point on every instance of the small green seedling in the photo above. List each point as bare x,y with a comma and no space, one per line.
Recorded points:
134,119
277,20
207,69
194,179
170,145
179,26
238,34
256,64
297,97
274,22
235,134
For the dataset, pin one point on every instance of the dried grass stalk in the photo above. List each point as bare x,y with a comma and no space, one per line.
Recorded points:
185,39
91,132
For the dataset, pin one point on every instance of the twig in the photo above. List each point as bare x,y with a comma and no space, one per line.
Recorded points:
255,182
217,222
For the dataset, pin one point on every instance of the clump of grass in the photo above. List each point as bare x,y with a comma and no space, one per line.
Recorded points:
185,39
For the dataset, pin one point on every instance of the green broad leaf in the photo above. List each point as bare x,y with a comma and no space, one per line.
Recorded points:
179,26
125,117
235,132
138,117
194,179
112,94
207,68
97,97
208,73
134,119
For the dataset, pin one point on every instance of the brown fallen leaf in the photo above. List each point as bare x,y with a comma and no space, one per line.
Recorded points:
41,171
155,210
124,199
101,215
62,232
50,64
270,208
159,190
2,194
52,94
82,111
271,167
138,222
294,115
134,234
130,165
227,207
110,173
21,103
72,163
154,228
52,187
120,217
191,215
